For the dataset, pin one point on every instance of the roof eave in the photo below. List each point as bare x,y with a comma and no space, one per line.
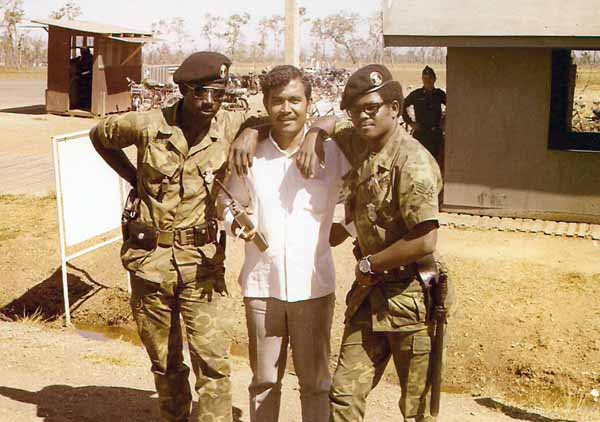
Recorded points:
517,41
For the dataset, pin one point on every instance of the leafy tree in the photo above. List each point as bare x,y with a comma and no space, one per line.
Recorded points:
70,10
375,22
341,29
11,41
233,31
211,29
174,41
319,37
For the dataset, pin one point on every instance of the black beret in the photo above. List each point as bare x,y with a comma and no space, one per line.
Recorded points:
364,81
429,71
203,66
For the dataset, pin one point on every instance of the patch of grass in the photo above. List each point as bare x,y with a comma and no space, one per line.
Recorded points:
558,397
38,73
107,360
8,233
35,319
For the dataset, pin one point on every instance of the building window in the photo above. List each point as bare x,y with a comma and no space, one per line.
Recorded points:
575,101
78,42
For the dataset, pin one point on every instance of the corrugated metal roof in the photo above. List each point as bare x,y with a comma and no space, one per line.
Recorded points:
506,18
92,27
136,40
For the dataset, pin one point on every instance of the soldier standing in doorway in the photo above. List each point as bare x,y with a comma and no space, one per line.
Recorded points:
428,125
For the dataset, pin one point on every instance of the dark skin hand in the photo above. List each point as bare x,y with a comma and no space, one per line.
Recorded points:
421,241
311,152
243,148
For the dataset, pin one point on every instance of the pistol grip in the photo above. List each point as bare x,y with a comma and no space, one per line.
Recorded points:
261,242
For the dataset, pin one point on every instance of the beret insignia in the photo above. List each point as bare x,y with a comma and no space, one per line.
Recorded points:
376,78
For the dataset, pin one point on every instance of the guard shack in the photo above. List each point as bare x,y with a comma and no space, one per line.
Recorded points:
88,66
511,147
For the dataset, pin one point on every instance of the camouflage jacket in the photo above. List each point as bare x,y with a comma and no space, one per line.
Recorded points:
175,184
387,194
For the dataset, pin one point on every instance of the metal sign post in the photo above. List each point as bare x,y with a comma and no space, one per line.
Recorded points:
89,198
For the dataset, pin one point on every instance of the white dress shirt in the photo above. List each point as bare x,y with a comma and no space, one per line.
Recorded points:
295,216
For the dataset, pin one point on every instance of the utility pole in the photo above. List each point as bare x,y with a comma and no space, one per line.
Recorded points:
292,33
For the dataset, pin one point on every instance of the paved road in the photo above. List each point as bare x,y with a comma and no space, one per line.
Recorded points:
14,94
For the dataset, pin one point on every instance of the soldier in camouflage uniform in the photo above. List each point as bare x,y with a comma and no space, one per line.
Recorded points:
391,197
172,250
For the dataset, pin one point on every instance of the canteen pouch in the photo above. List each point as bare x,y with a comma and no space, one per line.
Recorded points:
143,236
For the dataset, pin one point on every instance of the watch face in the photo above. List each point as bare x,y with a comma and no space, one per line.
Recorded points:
364,266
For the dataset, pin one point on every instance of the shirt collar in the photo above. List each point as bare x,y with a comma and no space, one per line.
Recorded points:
292,152
385,156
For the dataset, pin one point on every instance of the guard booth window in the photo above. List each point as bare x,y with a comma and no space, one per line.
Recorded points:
80,72
575,101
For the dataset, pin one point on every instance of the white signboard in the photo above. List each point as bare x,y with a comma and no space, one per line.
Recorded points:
89,199
91,193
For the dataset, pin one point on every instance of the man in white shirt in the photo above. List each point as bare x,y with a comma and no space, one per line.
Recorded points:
288,289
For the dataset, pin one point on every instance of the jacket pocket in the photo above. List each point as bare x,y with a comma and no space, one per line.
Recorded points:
159,164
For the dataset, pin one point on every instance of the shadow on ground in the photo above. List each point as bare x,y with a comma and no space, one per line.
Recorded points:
46,299
63,403
515,412
33,109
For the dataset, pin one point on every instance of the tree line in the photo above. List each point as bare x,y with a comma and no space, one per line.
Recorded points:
341,37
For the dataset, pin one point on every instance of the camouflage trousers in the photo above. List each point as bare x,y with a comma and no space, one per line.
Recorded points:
157,309
363,358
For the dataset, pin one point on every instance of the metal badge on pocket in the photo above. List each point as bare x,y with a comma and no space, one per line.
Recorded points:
372,212
208,176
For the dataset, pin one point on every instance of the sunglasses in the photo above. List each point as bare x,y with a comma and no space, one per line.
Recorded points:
202,92
371,109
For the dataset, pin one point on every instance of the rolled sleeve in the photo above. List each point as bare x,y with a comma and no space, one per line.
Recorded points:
118,132
419,188
347,140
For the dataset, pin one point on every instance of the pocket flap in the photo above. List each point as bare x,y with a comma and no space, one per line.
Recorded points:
421,344
161,159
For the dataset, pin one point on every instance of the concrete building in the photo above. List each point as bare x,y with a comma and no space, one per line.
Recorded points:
510,149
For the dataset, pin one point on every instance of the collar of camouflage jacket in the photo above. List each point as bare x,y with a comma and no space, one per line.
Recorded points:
215,131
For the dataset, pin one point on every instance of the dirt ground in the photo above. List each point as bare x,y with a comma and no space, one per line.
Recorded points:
54,375
525,329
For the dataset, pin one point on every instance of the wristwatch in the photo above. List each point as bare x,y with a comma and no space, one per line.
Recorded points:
364,265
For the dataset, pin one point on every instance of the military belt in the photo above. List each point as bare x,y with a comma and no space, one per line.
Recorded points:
402,273
197,235
149,237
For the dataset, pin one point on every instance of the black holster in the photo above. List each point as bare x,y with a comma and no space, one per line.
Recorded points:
130,213
428,274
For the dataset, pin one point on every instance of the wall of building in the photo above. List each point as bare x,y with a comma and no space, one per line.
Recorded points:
115,61
57,93
497,156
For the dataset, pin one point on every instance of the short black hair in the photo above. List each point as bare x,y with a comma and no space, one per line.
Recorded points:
392,91
429,71
281,76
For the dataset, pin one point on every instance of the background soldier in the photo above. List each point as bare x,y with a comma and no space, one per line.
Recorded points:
428,125
172,250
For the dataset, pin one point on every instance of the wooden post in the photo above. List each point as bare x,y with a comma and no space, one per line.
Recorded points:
292,33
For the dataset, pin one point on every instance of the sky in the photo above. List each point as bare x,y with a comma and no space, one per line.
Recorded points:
139,14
